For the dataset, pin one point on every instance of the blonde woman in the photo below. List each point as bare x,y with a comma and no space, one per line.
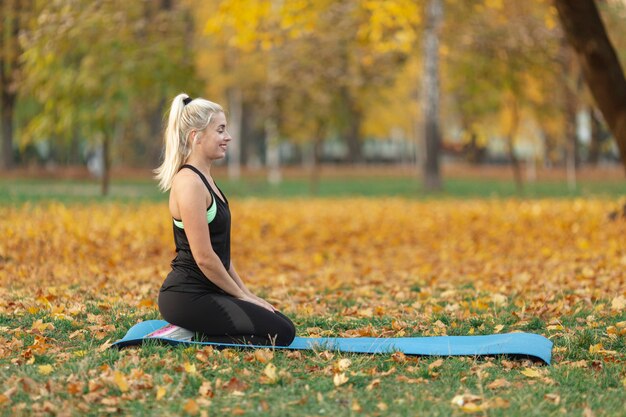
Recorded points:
203,293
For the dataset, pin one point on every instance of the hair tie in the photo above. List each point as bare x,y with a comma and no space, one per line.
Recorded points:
187,100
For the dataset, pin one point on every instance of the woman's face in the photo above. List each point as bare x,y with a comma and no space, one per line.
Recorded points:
213,140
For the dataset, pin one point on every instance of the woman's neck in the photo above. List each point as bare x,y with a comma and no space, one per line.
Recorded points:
203,165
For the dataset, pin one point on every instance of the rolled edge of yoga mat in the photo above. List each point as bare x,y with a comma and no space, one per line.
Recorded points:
517,344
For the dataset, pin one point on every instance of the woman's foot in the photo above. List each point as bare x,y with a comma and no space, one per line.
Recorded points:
171,331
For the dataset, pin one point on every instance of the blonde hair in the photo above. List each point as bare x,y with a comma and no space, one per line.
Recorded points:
183,118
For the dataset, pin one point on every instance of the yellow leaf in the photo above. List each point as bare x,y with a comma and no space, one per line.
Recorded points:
618,303
120,380
498,328
342,364
270,372
40,326
161,391
499,299
596,348
471,408
190,368
45,369
340,379
531,373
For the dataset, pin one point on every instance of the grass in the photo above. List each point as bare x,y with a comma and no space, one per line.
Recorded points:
17,191
112,381
52,359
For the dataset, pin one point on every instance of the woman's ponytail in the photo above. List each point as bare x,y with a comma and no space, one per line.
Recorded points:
176,148
196,114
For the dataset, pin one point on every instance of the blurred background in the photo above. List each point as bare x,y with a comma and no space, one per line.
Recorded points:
424,91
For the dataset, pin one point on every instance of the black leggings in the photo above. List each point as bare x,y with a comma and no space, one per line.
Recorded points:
226,319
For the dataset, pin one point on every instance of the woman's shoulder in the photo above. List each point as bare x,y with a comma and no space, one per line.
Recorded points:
186,181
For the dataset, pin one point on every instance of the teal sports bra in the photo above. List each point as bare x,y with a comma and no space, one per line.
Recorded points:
210,215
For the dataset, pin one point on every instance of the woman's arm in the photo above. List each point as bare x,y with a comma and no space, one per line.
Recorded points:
235,276
189,194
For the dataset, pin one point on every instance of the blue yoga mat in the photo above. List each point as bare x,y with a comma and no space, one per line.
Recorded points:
524,344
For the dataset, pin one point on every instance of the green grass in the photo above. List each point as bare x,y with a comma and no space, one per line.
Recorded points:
377,384
16,191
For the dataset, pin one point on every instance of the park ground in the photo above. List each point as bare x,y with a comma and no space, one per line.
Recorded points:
371,254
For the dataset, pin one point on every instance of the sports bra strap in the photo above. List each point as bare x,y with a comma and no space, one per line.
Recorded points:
200,174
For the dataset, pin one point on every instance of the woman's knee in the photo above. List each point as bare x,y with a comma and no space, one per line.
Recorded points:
285,331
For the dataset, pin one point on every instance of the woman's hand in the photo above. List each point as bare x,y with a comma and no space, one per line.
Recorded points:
258,301
264,302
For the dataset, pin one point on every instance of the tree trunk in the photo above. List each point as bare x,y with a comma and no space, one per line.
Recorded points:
155,123
596,137
106,163
272,151
571,142
352,132
235,122
601,68
510,137
434,18
118,134
12,17
314,173
8,106
354,136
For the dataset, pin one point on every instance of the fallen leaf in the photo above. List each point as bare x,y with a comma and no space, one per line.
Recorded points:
120,380
618,303
235,385
190,368
342,364
340,379
270,373
191,407
45,369
373,384
588,412
436,364
553,398
531,373
161,391
499,383
263,355
398,357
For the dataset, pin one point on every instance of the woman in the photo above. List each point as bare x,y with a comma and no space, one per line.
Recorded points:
204,293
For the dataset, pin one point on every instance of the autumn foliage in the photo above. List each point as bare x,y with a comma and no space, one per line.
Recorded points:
75,277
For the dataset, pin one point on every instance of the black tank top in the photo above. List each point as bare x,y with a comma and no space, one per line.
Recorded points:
186,275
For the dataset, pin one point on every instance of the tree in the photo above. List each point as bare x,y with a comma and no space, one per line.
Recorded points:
601,68
432,134
365,43
89,64
15,16
502,70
